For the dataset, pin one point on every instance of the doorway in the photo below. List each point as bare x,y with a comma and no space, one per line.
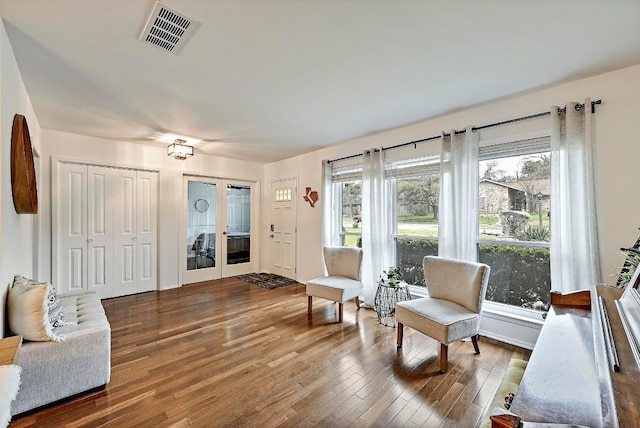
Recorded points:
283,231
218,229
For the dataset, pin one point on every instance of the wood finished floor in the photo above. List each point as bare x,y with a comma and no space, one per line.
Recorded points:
228,353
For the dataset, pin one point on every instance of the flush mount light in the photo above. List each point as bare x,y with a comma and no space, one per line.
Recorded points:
180,150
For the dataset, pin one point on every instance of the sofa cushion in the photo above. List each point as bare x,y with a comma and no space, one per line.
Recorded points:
440,319
9,385
28,310
336,288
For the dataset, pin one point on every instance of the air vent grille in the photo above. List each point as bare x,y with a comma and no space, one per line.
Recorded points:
167,29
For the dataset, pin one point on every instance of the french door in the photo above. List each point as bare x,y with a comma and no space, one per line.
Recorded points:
218,229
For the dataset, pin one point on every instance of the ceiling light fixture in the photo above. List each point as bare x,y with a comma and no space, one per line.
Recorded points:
180,150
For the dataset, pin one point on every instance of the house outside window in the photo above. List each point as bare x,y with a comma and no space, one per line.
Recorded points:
514,233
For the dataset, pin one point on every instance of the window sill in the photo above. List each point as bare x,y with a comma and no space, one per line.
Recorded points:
519,315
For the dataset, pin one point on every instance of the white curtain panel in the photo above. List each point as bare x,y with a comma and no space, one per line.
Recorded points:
326,201
574,240
375,228
458,219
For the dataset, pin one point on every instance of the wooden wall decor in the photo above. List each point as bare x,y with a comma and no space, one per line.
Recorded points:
311,197
23,172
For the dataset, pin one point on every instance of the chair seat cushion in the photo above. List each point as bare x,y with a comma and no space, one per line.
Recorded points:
336,288
442,320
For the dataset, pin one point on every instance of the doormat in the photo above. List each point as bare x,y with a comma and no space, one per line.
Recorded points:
267,280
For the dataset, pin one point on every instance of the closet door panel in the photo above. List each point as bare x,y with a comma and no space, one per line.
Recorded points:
147,230
72,228
100,231
124,236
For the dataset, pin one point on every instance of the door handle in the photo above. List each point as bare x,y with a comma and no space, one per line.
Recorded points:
133,238
224,233
90,240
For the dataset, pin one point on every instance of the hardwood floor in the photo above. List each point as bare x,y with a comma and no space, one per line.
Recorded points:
228,353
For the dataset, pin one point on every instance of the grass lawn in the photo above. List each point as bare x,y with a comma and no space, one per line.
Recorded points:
484,220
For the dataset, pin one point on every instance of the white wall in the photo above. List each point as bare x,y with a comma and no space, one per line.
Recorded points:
64,146
16,233
617,153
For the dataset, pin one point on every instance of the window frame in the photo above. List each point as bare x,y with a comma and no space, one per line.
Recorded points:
504,147
413,169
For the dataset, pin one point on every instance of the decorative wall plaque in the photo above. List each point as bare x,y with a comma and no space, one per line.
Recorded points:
23,172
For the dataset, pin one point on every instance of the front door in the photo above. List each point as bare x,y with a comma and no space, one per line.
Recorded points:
282,234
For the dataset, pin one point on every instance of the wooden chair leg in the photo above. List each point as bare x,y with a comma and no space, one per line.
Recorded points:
474,340
340,312
309,304
358,302
400,333
444,351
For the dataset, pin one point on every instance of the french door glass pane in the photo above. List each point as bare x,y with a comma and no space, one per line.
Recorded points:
238,224
201,225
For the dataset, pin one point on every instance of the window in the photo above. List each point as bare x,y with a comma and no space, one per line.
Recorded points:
514,234
347,215
415,190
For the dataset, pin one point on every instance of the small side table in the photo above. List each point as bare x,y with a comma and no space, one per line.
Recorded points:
385,302
9,350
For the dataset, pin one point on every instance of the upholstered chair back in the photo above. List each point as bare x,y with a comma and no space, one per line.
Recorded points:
343,261
458,281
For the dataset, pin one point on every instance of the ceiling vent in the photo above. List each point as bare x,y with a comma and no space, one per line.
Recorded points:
167,29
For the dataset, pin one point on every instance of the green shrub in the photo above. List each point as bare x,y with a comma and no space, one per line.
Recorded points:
514,222
520,276
410,253
535,233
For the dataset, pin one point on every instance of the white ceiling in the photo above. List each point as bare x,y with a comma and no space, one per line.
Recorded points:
269,79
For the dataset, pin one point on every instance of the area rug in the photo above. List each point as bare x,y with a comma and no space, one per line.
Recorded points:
267,280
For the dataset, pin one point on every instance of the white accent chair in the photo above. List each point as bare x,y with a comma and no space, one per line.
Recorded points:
452,310
343,281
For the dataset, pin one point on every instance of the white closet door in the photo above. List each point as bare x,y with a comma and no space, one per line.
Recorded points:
147,230
124,234
72,228
100,230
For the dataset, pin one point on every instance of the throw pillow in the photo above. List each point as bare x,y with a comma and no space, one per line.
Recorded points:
55,312
28,310
9,385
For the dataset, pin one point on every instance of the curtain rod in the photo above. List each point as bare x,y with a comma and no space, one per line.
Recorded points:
476,128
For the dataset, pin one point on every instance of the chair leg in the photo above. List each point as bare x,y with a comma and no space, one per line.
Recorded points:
474,340
444,351
309,304
400,334
340,312
358,302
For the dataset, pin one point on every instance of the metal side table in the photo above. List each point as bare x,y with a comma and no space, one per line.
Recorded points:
385,302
